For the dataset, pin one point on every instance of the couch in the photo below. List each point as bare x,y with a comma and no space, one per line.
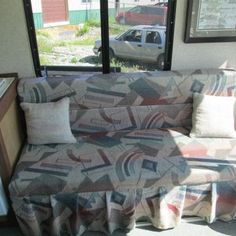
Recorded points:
133,159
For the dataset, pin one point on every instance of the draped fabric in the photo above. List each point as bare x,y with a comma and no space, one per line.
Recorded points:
74,213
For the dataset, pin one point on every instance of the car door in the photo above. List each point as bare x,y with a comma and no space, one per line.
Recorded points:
153,45
129,45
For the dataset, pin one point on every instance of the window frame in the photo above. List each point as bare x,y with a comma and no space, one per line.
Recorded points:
105,68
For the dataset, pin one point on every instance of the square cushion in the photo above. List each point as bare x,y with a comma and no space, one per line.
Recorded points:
213,116
48,122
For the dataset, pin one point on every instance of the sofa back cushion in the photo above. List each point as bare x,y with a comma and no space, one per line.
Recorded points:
129,100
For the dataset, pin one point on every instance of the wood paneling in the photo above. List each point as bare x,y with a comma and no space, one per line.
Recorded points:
7,98
11,132
11,140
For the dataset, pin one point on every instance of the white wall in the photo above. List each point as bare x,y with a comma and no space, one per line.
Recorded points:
75,5
36,6
15,54
199,55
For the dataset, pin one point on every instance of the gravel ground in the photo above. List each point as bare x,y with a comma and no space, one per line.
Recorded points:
71,55
82,55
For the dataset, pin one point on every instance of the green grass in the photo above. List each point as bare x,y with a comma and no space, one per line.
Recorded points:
112,20
115,29
79,42
45,44
93,23
61,43
42,33
124,65
132,66
83,42
74,60
44,60
84,30
87,26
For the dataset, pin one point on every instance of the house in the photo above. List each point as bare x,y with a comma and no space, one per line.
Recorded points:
60,12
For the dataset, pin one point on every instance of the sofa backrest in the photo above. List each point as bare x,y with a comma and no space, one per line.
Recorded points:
123,101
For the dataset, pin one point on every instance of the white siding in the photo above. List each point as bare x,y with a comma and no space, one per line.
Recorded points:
95,4
75,5
198,55
36,6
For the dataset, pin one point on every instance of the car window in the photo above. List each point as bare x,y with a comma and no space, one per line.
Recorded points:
156,11
144,10
153,37
135,10
133,36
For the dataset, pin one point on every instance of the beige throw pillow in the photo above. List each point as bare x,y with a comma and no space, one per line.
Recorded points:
48,122
213,116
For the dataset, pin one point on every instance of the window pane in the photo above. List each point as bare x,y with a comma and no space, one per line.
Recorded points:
142,51
66,31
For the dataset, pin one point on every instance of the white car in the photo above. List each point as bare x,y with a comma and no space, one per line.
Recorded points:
142,42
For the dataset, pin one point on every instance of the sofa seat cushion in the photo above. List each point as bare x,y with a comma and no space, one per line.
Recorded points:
124,160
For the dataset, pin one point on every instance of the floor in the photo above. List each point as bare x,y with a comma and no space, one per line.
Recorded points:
194,228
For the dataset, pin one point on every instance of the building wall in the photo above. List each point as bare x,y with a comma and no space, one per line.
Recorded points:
37,13
95,4
15,53
198,55
80,11
75,5
36,6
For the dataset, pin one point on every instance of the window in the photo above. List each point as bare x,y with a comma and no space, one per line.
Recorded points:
73,39
153,37
144,51
133,36
135,10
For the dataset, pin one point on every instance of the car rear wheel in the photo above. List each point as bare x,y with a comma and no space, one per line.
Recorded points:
111,54
161,62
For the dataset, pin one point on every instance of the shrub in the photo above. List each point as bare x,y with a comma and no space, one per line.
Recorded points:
73,60
82,31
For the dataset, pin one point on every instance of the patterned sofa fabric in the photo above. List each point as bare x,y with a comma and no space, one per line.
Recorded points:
133,157
128,89
124,160
129,101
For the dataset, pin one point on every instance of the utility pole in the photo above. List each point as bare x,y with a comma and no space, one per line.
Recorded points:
117,6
